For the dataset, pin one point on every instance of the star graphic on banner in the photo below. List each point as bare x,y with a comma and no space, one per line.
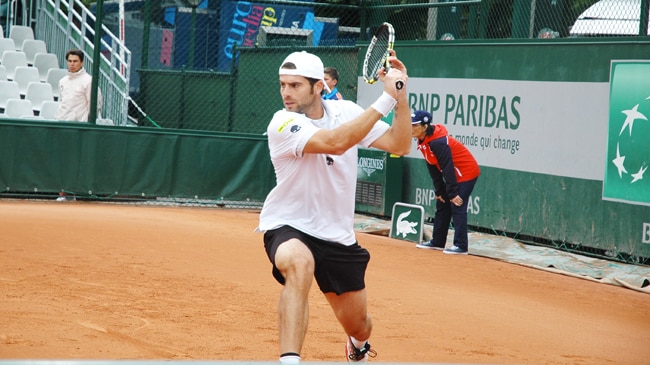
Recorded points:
639,175
628,153
618,162
632,115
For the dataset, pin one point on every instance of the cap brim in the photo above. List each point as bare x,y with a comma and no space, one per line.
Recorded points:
293,72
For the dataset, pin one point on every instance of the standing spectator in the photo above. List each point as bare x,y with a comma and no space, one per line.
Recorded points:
75,90
308,217
454,172
332,80
74,96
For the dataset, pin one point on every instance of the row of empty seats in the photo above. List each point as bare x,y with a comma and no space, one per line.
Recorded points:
30,48
23,75
35,91
19,34
23,108
42,62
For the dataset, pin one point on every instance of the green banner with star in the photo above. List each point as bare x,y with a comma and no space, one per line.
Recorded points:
628,137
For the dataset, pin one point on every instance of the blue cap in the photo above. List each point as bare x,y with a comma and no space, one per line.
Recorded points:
421,117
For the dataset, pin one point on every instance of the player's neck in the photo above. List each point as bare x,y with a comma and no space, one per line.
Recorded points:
316,111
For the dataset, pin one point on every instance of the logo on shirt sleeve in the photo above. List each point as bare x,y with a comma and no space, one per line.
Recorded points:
284,125
295,128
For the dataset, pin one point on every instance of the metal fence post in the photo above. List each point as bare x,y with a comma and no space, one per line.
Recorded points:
99,17
643,19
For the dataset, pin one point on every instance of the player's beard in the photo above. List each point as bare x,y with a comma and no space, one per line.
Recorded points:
306,106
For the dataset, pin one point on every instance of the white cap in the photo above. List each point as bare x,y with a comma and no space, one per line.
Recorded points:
307,65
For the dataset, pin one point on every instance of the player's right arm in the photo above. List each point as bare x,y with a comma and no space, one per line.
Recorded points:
340,139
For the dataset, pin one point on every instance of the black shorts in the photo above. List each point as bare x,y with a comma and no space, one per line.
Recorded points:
338,268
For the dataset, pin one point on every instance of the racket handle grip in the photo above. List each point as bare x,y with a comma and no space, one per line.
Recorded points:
399,84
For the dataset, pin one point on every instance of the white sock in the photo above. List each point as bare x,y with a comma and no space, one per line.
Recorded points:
290,359
358,344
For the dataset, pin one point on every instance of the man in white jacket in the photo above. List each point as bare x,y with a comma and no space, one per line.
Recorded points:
75,89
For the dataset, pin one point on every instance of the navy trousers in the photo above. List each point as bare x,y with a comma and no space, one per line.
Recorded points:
446,212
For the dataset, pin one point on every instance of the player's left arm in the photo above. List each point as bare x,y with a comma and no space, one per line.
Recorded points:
397,139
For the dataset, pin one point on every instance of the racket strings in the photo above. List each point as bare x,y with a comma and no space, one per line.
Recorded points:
378,54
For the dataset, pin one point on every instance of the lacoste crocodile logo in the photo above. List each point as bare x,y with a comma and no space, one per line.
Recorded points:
404,227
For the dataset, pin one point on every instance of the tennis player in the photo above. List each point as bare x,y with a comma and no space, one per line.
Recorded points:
308,217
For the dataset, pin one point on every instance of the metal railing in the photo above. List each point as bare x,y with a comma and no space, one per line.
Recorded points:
63,25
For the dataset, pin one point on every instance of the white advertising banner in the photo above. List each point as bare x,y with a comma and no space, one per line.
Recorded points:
556,128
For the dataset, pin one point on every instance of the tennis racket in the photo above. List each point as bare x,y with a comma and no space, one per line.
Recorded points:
377,54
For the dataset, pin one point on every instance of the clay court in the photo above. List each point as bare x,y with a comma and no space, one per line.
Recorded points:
86,280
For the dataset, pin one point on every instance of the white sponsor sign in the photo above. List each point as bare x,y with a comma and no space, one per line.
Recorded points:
556,128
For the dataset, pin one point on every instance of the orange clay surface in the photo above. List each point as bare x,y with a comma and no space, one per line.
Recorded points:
83,280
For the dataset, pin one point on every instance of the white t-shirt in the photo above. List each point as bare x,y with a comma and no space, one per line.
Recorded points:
314,193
